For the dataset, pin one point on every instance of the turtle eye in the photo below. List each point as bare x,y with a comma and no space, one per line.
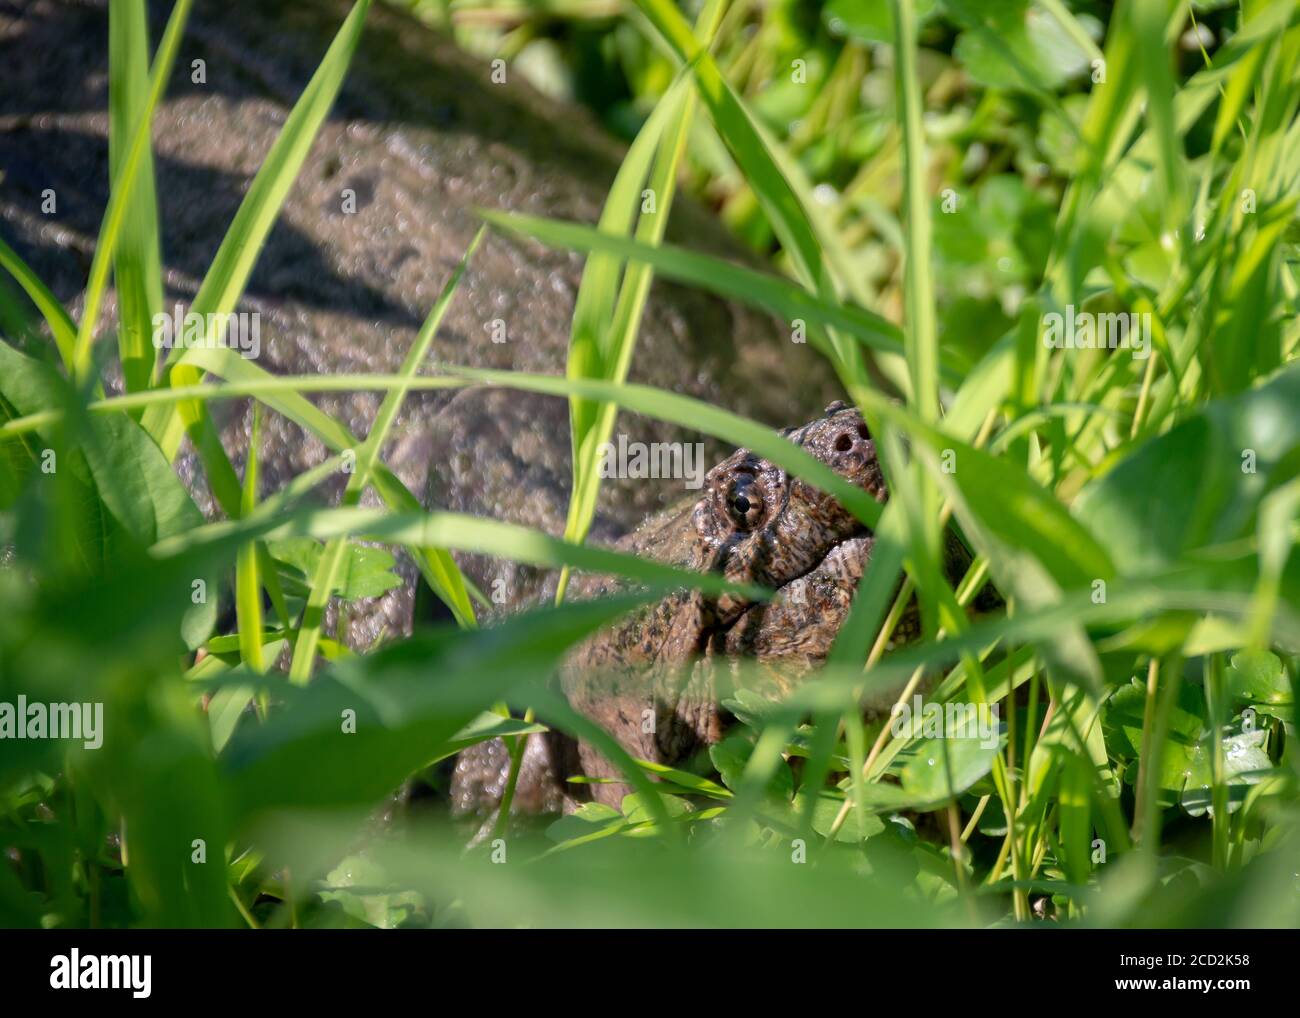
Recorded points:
745,503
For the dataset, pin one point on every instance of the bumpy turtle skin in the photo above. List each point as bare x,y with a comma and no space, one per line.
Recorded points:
654,681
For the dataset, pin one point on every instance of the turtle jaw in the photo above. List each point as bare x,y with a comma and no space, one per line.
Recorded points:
799,624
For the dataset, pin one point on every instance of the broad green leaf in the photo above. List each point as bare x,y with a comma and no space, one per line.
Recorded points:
1245,763
589,822
1185,769
119,490
1258,677
364,724
635,810
936,770
730,757
869,20
364,891
363,573
1201,482
1016,44
136,484
826,808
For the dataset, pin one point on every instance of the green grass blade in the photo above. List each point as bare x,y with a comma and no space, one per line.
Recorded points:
248,583
404,720
1150,20
737,128
461,532
605,324
658,403
590,342
921,336
137,273
233,264
1036,549
226,278
438,569
758,289
125,187
700,416
602,341
322,585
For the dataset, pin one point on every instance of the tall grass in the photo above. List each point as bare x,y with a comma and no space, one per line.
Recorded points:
1138,514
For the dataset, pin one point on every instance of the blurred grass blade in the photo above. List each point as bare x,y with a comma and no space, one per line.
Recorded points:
661,404
1036,549
921,335
1010,503
63,328
1150,21
1241,74
590,341
734,125
403,720
227,276
921,340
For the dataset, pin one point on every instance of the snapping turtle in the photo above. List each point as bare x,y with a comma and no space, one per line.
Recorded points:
651,680
655,680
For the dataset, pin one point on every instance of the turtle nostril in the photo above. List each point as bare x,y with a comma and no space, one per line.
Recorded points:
844,443
863,433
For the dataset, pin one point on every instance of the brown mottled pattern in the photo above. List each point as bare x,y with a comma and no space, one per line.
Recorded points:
653,681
